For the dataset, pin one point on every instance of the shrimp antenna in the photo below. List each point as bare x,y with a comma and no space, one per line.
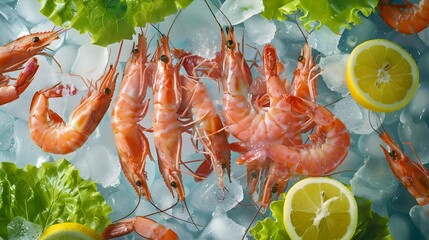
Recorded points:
250,224
174,20
223,14
379,130
300,29
157,29
132,211
211,11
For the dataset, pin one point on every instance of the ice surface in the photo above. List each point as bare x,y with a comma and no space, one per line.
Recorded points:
6,130
11,25
366,30
27,152
420,217
400,227
351,164
370,145
374,180
418,108
328,45
356,117
238,11
99,163
289,32
21,229
74,37
161,196
423,69
260,30
90,62
416,134
410,42
208,197
392,117
65,56
334,72
30,11
120,199
424,36
222,228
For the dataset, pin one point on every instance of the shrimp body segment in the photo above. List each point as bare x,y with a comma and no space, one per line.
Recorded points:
144,227
129,108
414,176
406,18
166,126
49,131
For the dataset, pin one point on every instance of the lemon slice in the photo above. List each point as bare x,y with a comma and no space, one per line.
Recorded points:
320,208
70,231
381,75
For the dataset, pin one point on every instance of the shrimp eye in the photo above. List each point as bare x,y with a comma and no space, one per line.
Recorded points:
107,91
164,58
138,183
173,184
300,58
275,188
223,165
254,175
392,153
135,51
36,39
229,43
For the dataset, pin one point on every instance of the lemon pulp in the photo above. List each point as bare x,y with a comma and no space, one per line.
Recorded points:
320,208
381,75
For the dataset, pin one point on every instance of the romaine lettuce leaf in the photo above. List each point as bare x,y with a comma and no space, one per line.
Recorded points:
335,14
109,21
48,195
370,224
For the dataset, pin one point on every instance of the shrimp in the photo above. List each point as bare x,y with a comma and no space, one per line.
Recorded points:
143,226
405,18
129,108
208,129
51,133
9,93
15,54
166,126
414,176
328,148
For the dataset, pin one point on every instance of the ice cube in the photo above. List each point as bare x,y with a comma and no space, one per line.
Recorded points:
75,38
324,41
8,155
351,164
238,11
27,152
416,134
222,228
161,196
101,161
90,62
289,32
30,11
21,229
6,121
418,108
358,34
400,227
392,117
420,217
356,118
65,56
423,69
208,196
259,30
120,199
374,180
11,25
424,36
369,145
334,72
410,42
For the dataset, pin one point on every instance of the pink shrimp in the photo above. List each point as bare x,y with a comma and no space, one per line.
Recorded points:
414,176
129,108
208,129
405,18
143,226
51,133
166,127
328,148
15,54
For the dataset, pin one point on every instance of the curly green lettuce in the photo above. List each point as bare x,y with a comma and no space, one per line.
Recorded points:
370,224
51,194
335,14
109,21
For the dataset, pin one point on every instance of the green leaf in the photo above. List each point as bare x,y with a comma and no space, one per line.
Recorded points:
51,194
335,14
109,21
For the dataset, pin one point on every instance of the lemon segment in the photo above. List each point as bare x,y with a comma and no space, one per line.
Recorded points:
381,75
70,231
320,208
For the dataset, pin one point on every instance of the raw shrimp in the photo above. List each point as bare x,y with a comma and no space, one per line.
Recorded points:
328,148
9,93
414,176
208,129
166,126
143,226
406,18
129,108
15,54
49,131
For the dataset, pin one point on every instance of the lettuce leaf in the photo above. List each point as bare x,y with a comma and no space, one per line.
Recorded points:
335,14
109,21
370,224
51,194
